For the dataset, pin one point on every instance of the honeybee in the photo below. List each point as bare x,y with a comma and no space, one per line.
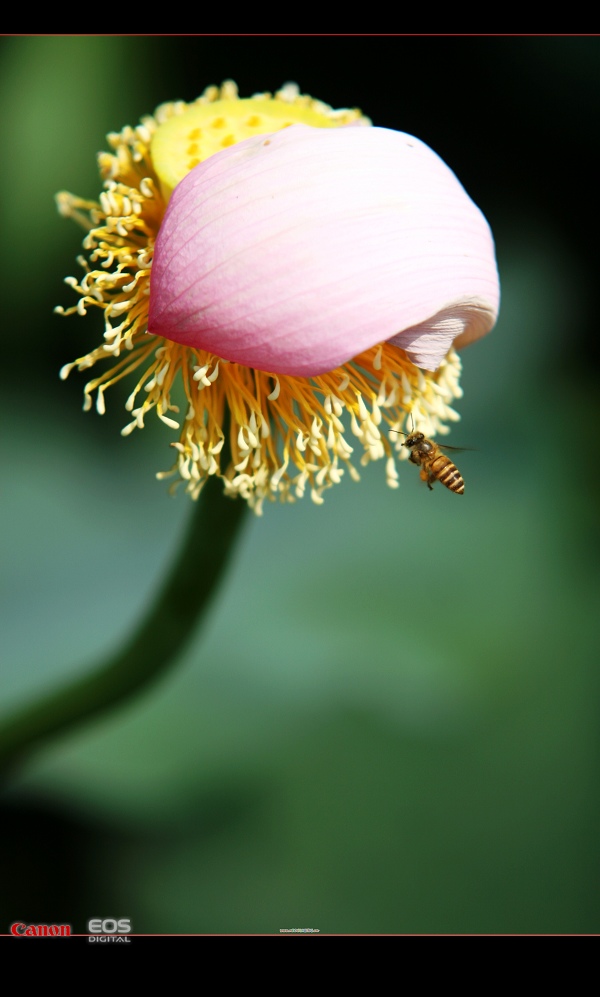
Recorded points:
435,466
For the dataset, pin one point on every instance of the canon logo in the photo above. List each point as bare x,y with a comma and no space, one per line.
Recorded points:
19,929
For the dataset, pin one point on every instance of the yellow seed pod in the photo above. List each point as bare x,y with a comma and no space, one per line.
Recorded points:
185,140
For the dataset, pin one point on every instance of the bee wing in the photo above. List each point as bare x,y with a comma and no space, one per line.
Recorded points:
444,446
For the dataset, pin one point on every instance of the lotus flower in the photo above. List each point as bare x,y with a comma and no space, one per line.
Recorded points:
303,275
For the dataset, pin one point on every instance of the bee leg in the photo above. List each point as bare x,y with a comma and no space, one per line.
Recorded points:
427,478
414,459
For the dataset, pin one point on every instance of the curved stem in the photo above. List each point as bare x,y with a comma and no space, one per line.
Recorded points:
160,637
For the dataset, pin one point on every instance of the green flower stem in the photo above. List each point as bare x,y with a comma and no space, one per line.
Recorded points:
166,628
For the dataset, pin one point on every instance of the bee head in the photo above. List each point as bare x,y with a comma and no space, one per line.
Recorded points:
413,439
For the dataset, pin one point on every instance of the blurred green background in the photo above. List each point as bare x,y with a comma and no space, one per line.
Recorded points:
389,722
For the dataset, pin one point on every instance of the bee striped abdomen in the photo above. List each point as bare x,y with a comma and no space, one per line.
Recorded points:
445,471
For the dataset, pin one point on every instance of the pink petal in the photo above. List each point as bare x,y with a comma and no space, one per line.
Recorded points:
296,251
